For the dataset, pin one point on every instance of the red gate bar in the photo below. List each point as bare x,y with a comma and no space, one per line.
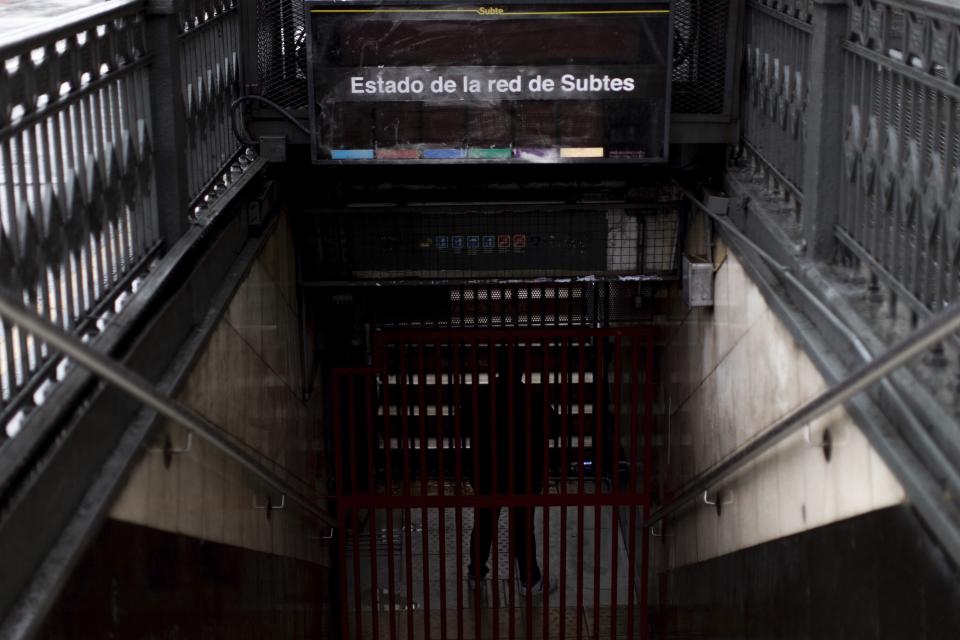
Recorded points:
495,405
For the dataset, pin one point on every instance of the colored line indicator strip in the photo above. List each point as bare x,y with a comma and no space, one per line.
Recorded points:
504,13
489,154
351,154
581,152
398,154
443,154
587,13
393,10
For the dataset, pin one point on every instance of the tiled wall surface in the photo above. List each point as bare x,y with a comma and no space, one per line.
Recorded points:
248,380
730,372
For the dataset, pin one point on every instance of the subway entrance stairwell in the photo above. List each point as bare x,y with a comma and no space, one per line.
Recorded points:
416,319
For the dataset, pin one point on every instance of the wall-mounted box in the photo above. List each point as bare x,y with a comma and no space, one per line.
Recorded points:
716,201
697,282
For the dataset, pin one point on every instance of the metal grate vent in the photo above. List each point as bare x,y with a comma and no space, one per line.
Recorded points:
522,305
350,315
700,51
282,52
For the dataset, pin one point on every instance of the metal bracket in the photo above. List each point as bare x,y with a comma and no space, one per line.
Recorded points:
329,536
269,507
719,501
168,450
383,535
273,148
827,443
669,425
654,533
401,602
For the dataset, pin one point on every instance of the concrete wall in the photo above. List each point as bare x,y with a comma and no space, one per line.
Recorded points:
249,381
140,582
729,372
836,581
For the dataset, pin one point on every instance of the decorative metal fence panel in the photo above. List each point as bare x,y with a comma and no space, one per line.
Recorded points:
79,188
210,72
777,39
897,208
77,211
901,201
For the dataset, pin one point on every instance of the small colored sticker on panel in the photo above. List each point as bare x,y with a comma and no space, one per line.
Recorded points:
351,154
581,152
398,154
490,154
443,154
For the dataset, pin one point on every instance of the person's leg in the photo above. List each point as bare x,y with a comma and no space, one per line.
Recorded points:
525,545
481,539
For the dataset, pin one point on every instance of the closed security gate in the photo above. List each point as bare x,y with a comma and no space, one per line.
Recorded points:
493,484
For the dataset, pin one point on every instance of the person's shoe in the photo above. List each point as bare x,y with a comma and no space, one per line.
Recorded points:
540,587
472,582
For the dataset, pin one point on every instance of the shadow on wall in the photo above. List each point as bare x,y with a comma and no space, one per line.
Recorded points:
139,582
189,544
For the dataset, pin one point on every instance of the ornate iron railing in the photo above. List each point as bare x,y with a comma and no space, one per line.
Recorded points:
87,164
901,198
209,38
76,177
853,109
777,40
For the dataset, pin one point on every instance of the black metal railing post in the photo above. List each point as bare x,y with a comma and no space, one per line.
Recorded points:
823,158
249,30
169,118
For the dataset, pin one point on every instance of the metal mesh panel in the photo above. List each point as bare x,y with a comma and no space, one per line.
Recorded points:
523,243
281,52
699,55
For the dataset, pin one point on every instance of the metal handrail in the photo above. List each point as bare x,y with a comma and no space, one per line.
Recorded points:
32,37
939,328
838,325
145,392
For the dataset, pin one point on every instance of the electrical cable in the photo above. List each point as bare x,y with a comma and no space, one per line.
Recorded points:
270,103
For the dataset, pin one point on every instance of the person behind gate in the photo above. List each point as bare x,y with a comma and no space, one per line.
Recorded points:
512,430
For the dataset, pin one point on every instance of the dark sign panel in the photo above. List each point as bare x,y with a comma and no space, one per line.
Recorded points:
519,82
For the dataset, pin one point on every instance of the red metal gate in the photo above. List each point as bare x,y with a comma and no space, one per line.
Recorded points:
467,462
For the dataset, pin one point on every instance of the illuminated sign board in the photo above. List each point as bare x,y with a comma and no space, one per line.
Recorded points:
518,82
